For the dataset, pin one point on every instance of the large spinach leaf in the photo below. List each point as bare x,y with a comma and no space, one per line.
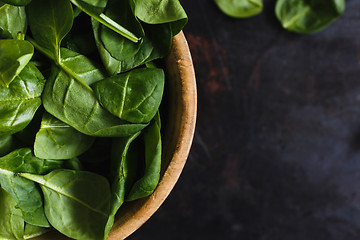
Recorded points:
308,16
17,2
134,96
240,8
152,142
20,101
12,223
14,55
77,204
57,140
25,192
50,21
75,103
12,20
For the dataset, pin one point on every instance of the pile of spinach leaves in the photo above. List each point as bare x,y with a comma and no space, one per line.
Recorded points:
80,88
300,16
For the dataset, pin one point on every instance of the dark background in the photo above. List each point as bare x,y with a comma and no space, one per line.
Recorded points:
276,154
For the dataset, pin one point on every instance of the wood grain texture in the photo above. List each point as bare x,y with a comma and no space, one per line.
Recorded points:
178,131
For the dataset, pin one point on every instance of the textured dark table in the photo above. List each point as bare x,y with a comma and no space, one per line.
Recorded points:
276,154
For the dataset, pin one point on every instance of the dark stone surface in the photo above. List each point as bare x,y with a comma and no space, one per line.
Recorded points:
276,155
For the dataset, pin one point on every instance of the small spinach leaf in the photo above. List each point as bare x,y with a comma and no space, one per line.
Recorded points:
75,103
148,182
308,16
57,140
12,223
20,101
32,231
12,20
14,55
6,144
134,96
77,204
240,9
50,21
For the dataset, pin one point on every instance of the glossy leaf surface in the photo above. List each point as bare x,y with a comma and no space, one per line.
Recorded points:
134,96
76,203
240,8
13,19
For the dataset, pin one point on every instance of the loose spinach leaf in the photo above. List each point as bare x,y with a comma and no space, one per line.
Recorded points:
160,11
122,175
156,44
50,21
12,20
77,204
20,101
95,8
308,16
75,103
148,182
12,223
58,140
240,9
17,2
14,55
25,192
134,96
32,231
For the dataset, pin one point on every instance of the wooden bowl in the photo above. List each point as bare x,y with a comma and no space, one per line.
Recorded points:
178,131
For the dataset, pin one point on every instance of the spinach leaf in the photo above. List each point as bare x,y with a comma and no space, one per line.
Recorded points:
25,192
308,16
17,2
14,55
12,20
122,174
160,11
20,101
156,44
75,103
95,8
12,223
134,96
6,144
76,203
148,182
57,140
240,8
49,21
32,231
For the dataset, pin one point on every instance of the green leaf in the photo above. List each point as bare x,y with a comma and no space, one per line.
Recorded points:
148,182
25,192
6,144
122,174
134,96
12,20
75,103
20,101
50,21
14,56
17,2
240,8
57,140
32,231
77,204
303,16
12,223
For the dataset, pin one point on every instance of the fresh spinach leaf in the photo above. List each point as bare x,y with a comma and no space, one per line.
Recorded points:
58,140
14,56
17,2
240,8
25,192
12,223
32,231
75,103
148,182
77,204
20,101
6,144
308,16
12,20
49,21
122,174
134,96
